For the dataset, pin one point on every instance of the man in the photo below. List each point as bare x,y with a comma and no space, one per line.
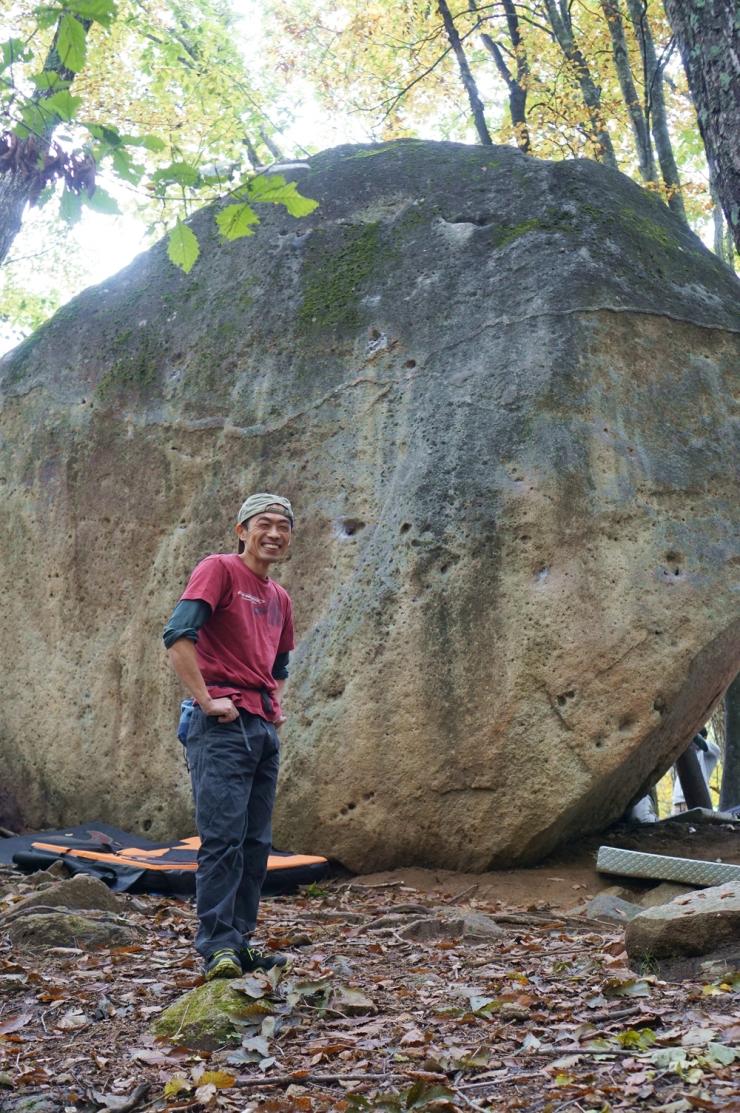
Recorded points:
229,640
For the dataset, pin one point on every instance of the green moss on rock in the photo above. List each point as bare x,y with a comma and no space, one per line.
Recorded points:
551,221
334,277
646,228
209,1015
132,372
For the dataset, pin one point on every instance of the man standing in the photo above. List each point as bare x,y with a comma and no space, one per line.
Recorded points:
228,640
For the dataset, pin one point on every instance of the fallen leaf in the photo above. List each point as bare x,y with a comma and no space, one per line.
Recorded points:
720,1053
205,1094
13,1023
72,1021
175,1086
350,1002
221,1079
120,1103
698,1037
628,987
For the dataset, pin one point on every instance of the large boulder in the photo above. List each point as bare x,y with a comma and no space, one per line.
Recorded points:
496,390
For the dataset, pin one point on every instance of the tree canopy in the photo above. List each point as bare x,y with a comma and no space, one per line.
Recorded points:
152,97
586,78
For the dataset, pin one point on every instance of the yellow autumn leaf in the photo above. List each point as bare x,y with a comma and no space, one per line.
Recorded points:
218,1078
175,1086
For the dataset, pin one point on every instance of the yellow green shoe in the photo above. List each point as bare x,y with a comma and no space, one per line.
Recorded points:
252,959
223,964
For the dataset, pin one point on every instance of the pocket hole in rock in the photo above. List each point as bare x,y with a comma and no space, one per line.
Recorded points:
347,527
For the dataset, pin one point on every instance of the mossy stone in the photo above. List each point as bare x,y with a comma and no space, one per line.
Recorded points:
208,1016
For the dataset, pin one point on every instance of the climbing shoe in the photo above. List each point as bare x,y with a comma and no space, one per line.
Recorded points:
253,959
223,964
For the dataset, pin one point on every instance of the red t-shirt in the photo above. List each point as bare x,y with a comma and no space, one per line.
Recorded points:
251,622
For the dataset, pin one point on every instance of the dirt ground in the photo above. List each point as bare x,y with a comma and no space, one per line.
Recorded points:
568,878
385,1005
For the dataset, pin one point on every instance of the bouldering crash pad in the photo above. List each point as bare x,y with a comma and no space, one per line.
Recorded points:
132,863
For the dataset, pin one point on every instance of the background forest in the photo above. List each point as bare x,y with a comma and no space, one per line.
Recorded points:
119,119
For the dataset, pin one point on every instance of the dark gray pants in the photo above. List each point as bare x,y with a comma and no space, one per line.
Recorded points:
233,770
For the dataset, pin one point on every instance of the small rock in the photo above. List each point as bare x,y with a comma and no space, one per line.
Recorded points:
605,906
40,879
696,924
80,891
350,1002
715,969
12,983
31,1103
428,929
206,1017
663,893
60,929
478,926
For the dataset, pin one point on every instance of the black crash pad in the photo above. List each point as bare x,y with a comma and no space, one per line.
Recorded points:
131,863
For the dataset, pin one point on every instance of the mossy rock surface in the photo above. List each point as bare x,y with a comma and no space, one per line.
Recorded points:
208,1016
36,931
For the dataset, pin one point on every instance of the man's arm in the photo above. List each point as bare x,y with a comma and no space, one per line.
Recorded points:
183,660
280,674
180,636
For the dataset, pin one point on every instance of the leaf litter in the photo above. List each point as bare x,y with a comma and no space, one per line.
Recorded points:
546,1017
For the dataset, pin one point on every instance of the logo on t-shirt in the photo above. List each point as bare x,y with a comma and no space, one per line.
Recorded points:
251,598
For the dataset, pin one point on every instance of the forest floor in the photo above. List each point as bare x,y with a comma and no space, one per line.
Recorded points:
547,1016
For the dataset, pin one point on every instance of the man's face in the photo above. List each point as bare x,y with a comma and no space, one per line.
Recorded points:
266,536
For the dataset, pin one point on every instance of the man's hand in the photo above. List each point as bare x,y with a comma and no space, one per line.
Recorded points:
222,708
277,723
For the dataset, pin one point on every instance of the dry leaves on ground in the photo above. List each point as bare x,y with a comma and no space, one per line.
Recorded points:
545,1018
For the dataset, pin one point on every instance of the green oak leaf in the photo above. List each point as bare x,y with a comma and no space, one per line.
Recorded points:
48,80
106,133
182,247
36,119
13,50
275,189
70,206
236,221
125,167
101,11
102,202
178,173
71,45
64,104
149,142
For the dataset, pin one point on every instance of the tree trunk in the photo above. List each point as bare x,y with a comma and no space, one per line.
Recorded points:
707,35
14,193
639,124
730,791
655,110
517,85
476,104
560,21
19,182
723,245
